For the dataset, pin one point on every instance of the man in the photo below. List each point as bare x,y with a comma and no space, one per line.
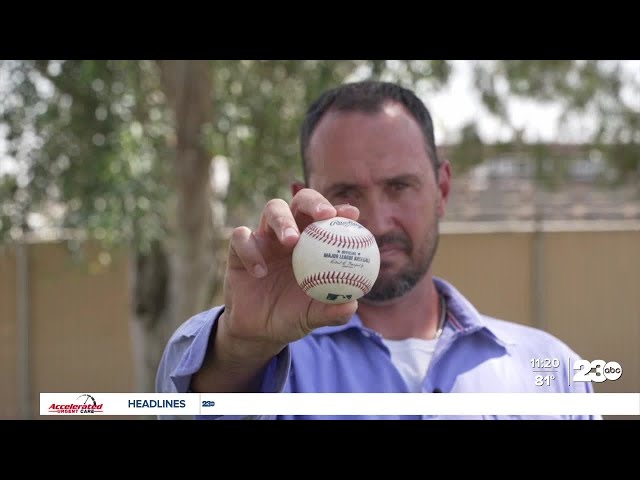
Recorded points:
369,154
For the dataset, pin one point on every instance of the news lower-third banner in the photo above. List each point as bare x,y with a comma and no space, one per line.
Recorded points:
330,404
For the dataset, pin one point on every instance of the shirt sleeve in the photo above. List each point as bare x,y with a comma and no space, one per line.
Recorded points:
185,352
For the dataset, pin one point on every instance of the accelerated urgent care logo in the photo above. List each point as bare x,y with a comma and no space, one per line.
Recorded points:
85,403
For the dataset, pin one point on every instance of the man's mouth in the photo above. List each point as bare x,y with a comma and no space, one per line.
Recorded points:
391,249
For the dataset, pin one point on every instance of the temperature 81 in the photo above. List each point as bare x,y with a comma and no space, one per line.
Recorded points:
542,380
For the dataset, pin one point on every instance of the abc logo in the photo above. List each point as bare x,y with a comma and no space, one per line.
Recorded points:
612,371
596,371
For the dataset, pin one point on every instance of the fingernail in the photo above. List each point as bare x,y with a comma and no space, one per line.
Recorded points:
290,232
259,271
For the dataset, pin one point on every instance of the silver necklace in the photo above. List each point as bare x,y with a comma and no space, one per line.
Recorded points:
443,316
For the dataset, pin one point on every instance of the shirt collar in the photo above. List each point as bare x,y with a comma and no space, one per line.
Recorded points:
462,316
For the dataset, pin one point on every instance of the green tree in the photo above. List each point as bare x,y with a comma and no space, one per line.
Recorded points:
120,151
602,90
118,146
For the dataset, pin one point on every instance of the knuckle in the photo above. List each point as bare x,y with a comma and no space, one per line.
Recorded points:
282,221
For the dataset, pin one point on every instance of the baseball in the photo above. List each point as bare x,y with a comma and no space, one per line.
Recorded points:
336,260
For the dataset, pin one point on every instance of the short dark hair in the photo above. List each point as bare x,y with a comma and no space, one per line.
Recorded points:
366,96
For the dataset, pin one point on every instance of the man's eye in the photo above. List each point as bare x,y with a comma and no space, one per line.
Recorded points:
399,186
345,193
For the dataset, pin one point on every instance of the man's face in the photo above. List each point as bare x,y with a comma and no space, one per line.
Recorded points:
379,163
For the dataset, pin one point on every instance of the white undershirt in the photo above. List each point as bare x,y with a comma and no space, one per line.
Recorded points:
411,357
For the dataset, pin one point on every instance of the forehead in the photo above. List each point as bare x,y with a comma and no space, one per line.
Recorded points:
360,147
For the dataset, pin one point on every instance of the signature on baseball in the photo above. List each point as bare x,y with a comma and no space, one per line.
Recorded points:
347,264
347,259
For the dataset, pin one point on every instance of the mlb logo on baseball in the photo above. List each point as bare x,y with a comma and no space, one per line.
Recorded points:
336,260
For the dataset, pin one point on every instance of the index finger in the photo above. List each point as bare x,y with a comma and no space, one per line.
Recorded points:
312,204
277,218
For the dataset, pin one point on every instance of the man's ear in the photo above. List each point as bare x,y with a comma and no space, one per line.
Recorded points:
296,187
444,185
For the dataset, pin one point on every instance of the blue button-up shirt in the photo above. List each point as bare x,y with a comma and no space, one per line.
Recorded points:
474,354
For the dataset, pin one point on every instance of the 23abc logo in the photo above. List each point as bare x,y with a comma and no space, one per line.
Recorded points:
596,371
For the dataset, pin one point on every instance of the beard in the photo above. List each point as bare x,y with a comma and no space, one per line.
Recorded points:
395,286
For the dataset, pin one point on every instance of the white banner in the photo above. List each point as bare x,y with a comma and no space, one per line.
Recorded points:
339,404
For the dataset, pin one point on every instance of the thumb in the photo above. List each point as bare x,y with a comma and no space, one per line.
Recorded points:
324,314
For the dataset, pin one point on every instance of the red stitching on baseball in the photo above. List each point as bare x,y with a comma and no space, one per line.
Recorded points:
323,278
358,241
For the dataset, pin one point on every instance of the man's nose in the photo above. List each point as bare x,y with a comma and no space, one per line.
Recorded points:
377,216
